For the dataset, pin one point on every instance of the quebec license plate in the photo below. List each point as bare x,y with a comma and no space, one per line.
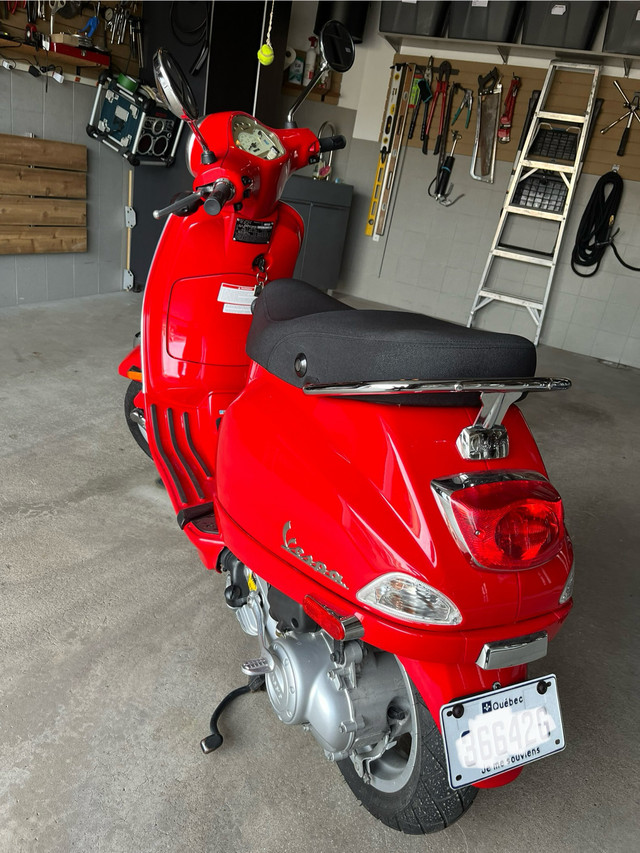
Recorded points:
496,731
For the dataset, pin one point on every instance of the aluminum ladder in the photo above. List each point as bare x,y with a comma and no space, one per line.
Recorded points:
541,186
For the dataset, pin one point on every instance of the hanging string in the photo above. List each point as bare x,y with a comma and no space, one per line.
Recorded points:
265,54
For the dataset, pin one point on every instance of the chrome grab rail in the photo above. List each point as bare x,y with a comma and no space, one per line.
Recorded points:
450,386
486,437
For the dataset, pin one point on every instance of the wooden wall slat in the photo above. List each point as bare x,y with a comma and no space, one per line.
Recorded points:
25,151
568,95
19,210
18,240
24,181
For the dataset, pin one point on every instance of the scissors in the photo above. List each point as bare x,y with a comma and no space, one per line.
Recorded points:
54,8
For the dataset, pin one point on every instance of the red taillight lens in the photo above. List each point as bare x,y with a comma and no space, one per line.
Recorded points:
514,524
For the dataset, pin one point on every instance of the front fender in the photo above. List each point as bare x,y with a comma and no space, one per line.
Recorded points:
131,366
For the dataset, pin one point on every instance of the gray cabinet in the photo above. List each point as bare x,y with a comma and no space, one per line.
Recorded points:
324,208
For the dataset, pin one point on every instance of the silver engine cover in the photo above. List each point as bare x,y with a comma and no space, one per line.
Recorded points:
341,698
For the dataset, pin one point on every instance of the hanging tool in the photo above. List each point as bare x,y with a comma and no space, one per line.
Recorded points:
632,106
54,8
442,86
393,106
441,180
453,91
424,96
467,102
92,24
504,130
488,115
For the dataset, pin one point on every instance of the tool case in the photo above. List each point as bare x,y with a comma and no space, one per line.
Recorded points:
570,25
416,19
485,20
127,118
623,29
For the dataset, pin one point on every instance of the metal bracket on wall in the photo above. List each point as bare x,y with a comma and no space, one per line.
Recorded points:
130,220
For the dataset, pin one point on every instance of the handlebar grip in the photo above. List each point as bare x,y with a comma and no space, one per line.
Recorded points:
332,143
218,197
184,203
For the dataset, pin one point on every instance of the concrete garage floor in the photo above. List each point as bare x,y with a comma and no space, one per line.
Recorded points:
116,643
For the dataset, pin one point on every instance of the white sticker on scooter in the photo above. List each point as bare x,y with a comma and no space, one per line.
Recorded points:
236,297
236,309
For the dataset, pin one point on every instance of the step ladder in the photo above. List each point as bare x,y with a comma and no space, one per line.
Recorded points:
541,187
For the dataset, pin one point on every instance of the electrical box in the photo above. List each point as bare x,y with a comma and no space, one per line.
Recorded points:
128,118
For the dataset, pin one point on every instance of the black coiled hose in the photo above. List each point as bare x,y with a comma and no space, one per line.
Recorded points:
596,226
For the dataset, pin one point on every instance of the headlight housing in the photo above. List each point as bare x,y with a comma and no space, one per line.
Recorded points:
410,600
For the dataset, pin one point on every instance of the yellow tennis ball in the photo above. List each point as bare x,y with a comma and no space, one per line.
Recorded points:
265,55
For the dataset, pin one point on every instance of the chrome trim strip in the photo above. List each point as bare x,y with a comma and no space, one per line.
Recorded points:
449,386
505,653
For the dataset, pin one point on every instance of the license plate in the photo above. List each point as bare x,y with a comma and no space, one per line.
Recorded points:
496,731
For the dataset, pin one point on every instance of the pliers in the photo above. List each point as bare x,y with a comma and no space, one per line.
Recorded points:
467,102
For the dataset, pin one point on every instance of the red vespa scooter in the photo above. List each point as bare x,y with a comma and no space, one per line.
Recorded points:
393,544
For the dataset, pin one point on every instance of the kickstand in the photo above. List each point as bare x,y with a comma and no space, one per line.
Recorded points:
214,740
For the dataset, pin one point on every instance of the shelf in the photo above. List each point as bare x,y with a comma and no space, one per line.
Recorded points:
64,54
328,96
404,42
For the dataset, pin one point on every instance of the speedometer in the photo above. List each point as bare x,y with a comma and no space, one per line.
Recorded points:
255,139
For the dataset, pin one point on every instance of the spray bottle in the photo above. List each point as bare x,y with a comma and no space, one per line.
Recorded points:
310,62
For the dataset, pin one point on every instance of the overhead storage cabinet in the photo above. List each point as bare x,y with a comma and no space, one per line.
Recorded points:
414,19
623,29
569,25
485,20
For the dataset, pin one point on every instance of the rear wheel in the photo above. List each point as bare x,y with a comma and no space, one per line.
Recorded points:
406,786
137,430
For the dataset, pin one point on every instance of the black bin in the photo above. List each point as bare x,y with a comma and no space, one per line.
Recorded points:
491,21
569,25
414,19
623,29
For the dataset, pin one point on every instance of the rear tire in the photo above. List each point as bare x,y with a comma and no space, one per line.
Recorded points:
137,431
408,788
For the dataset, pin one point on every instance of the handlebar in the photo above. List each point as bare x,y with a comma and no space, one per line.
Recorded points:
215,196
222,191
332,143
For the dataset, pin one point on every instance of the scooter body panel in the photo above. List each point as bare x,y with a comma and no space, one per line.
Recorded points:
342,491
195,322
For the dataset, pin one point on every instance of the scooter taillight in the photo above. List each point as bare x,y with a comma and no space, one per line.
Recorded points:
504,520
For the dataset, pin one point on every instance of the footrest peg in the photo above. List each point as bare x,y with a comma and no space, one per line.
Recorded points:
257,666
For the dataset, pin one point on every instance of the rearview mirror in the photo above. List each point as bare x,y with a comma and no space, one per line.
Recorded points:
336,52
177,95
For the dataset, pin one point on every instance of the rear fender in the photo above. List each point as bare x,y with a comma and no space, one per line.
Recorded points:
440,683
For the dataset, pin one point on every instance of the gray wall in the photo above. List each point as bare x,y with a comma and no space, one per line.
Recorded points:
61,113
432,259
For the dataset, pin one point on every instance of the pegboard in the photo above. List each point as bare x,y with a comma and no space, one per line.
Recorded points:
569,94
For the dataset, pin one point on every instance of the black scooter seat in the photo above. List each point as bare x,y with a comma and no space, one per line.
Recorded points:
292,321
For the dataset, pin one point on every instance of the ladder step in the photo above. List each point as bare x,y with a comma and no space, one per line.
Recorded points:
513,300
567,117
531,211
525,257
528,163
